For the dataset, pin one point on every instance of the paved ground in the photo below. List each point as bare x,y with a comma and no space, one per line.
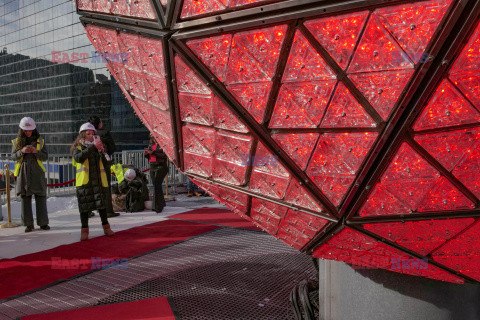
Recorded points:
65,224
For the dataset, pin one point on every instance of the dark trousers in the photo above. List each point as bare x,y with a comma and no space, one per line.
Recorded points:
158,173
84,217
109,193
40,205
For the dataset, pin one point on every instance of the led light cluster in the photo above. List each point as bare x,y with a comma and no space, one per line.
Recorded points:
283,122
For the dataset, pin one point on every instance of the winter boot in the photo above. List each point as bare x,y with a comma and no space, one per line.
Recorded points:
84,234
108,232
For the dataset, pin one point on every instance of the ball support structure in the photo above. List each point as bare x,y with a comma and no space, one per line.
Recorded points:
347,129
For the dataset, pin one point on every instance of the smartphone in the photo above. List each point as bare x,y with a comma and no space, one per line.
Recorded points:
96,138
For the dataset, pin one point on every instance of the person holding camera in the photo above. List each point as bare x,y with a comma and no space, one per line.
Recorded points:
158,170
91,178
28,152
109,148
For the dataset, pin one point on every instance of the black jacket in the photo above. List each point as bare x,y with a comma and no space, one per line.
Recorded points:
93,195
107,140
136,192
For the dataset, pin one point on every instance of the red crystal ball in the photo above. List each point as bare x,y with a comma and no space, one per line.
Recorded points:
288,125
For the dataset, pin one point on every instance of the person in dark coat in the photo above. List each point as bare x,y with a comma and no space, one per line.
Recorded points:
158,170
91,179
109,147
135,188
28,152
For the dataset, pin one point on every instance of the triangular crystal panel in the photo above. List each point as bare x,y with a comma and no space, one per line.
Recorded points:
345,111
446,108
382,89
338,34
449,147
413,25
377,51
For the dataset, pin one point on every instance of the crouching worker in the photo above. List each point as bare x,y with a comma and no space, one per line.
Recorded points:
91,179
131,189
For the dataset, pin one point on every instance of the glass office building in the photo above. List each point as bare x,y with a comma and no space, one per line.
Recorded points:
50,72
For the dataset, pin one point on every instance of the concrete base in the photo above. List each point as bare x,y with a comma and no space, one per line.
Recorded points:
351,294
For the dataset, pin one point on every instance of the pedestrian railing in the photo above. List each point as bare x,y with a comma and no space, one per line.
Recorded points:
60,172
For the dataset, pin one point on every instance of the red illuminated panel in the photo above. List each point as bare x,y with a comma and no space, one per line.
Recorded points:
336,161
231,154
421,236
413,25
137,8
236,201
213,52
382,202
268,184
359,250
129,47
338,34
301,105
462,253
449,147
304,63
144,112
267,215
269,177
101,6
377,51
135,83
306,88
468,169
298,196
345,111
156,91
198,140
298,146
409,177
447,108
86,5
469,84
198,144
411,184
151,55
444,196
199,105
141,9
254,54
382,89
469,59
298,228
120,7
253,97
225,119
193,8
162,130
465,72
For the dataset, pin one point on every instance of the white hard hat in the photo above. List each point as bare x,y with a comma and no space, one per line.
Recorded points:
87,126
129,175
27,123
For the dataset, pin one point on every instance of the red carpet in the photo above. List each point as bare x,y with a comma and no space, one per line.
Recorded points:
36,270
150,309
217,216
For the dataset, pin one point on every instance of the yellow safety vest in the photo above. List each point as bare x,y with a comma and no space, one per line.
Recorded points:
118,170
40,143
82,178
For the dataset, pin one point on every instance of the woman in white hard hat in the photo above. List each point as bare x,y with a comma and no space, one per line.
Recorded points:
91,179
28,152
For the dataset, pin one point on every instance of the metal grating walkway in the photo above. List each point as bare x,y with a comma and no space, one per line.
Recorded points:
227,273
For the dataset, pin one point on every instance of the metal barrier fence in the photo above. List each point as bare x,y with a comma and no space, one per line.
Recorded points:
59,169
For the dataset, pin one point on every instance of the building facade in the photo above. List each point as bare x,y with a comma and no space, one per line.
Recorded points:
49,71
